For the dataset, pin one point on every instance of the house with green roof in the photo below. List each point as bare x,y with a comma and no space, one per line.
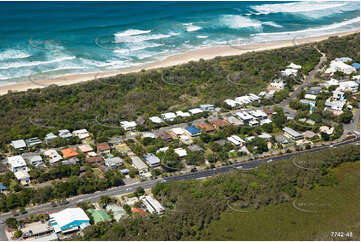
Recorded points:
99,215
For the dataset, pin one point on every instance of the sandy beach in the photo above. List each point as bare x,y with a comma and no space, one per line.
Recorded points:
195,55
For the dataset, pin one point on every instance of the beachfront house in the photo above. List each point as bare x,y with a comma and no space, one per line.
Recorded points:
17,163
18,144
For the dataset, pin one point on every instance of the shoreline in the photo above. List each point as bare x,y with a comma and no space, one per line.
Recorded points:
205,53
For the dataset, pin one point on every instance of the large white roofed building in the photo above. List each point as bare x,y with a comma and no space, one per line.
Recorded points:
69,219
17,163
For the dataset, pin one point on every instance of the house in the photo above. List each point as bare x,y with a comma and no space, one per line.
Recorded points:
164,136
192,131
281,139
50,137
103,148
265,121
176,132
289,72
234,121
183,114
294,66
339,66
33,141
326,130
244,116
290,133
99,215
36,160
180,152
254,97
126,125
17,163
335,105
140,120
149,135
231,103
117,211
69,219
195,148
152,205
344,59
124,171
123,148
94,159
152,160
258,114
253,123
351,86
71,161
243,100
278,83
234,139
205,127
53,156
308,102
18,144
139,212
114,162
156,120
163,149
138,163
356,65
338,95
207,107
314,90
311,96
309,134
69,153
249,138
168,116
65,134
23,177
265,136
81,134
219,123
186,139
85,148
195,111
331,82
2,188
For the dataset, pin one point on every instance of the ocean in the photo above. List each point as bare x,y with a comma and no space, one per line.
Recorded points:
42,40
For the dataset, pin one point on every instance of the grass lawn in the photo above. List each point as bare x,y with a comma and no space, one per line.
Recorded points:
336,209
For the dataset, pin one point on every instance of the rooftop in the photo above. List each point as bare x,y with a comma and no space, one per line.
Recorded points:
69,152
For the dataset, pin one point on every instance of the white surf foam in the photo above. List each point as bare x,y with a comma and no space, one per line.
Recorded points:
191,28
238,22
273,24
202,36
131,32
309,9
33,63
13,54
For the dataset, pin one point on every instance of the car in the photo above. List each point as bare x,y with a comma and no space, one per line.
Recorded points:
239,167
270,160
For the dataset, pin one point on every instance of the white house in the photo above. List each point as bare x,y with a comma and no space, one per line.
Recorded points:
152,205
183,114
195,111
168,116
126,125
278,83
310,96
53,156
340,66
294,66
348,86
156,120
338,95
289,72
23,177
180,152
234,139
231,103
335,105
81,133
17,163
18,144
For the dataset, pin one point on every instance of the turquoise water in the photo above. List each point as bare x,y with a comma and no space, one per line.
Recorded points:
46,39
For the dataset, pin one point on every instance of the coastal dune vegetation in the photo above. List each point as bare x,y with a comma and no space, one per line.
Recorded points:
127,96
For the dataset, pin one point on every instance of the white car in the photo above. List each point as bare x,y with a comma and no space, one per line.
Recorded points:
270,160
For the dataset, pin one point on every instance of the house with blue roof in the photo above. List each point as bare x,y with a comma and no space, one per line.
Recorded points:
68,220
356,65
2,188
192,131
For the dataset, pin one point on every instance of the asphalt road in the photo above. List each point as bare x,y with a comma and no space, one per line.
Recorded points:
45,208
